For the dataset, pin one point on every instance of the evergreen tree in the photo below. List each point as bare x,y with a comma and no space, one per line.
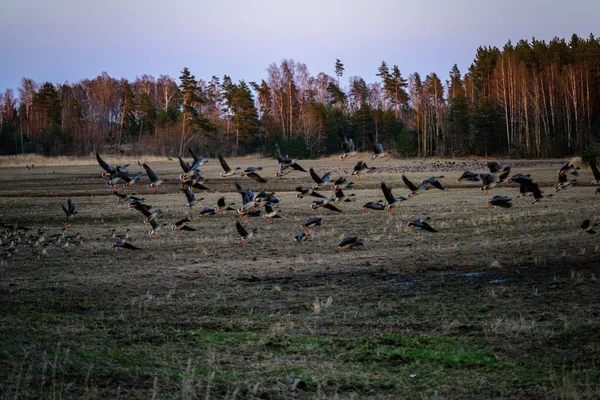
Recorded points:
339,70
245,116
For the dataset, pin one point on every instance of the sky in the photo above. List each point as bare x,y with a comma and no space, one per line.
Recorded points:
62,41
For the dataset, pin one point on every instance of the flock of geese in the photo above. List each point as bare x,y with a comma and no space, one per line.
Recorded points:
262,203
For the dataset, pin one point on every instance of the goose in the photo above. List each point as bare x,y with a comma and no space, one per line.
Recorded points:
227,171
349,242
244,233
377,148
348,145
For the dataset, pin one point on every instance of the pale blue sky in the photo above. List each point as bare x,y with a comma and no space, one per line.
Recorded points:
69,40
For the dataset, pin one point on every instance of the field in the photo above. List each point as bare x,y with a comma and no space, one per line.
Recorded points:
500,303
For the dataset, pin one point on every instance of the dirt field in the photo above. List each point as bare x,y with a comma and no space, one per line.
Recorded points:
500,303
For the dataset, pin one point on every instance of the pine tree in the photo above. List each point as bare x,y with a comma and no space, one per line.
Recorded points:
339,70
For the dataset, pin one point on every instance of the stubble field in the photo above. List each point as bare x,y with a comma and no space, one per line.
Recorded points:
500,303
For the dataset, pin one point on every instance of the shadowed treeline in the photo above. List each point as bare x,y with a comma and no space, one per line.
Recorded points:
532,99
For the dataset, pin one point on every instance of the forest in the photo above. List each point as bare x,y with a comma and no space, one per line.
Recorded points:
532,99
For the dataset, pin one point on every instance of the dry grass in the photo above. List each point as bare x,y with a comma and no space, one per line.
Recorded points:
494,305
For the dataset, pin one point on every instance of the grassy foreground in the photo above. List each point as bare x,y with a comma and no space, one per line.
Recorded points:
499,304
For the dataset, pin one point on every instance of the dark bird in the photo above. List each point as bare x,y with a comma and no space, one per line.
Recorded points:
360,168
391,200
319,180
312,222
348,145
490,181
221,205
563,180
190,196
377,148
418,223
124,245
69,211
520,178
286,162
109,170
253,175
129,182
325,203
244,233
468,176
339,195
200,160
342,183
494,167
535,190
123,197
270,213
215,210
307,192
181,226
500,201
349,242
372,205
155,181
156,227
424,185
145,210
189,170
227,171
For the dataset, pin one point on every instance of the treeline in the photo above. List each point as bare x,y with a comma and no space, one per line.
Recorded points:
532,99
